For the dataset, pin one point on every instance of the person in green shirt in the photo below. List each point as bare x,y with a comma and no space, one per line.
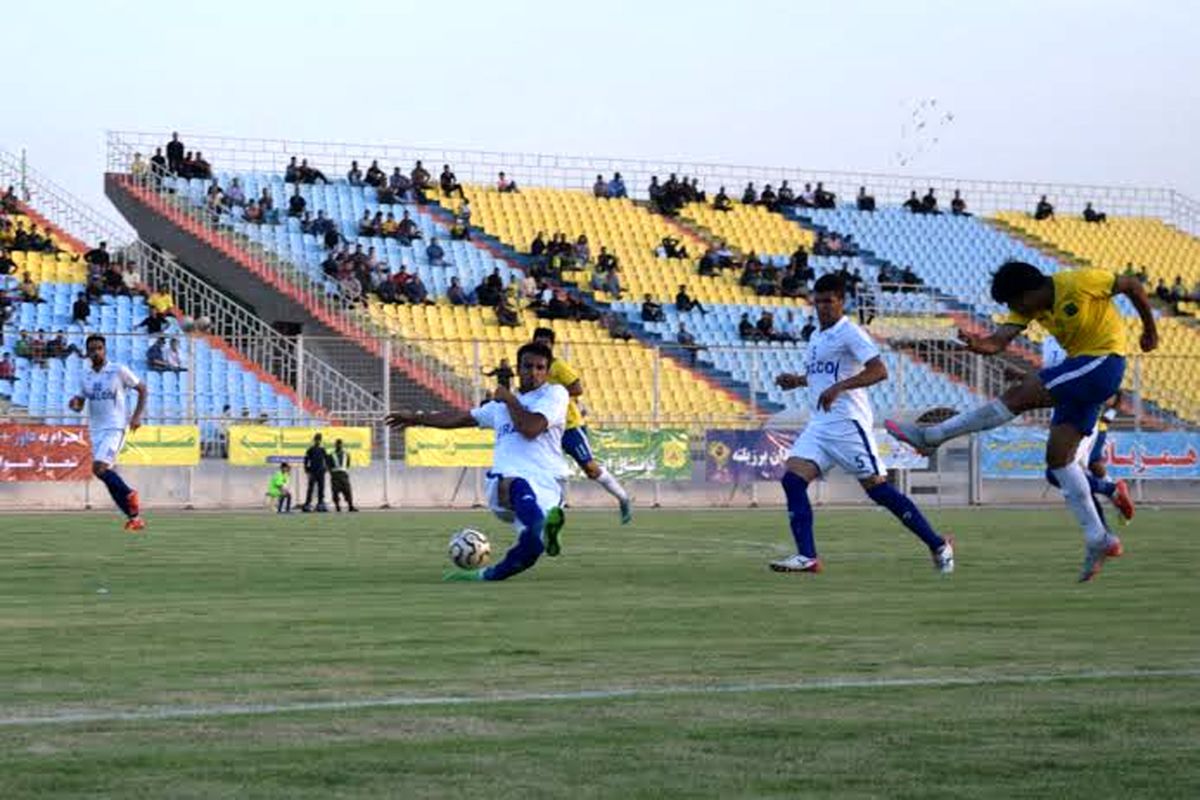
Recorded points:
278,489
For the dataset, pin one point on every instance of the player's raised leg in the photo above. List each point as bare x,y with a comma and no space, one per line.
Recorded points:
800,473
1025,396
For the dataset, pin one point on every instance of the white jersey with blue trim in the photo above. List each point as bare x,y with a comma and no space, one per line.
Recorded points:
105,391
516,456
834,354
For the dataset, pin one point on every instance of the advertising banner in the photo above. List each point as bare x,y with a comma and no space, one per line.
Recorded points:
462,447
741,456
1020,452
44,453
162,446
258,445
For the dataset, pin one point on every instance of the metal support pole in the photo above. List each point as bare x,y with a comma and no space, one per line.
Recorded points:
299,374
387,432
656,424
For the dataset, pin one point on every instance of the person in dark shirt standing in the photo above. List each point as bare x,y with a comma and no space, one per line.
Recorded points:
339,477
81,310
315,464
174,153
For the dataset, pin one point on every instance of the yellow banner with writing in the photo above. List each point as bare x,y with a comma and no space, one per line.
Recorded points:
162,446
258,445
462,447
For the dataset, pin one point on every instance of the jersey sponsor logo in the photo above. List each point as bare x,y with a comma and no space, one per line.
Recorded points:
1070,309
816,367
97,393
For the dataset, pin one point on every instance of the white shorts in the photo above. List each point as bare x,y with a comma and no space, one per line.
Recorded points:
844,443
107,444
546,489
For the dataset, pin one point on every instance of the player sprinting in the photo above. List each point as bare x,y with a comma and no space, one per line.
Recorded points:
575,439
1077,308
842,363
1090,454
103,389
527,463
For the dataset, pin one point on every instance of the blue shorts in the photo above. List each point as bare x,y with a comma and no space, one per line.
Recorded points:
1081,385
1097,453
575,444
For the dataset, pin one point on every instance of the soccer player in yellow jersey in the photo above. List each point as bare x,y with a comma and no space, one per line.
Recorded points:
1077,308
575,440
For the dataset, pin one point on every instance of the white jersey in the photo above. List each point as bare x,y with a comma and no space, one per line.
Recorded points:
516,456
835,354
105,392
1052,352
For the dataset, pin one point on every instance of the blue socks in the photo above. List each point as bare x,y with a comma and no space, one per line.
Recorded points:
118,490
907,512
525,553
800,513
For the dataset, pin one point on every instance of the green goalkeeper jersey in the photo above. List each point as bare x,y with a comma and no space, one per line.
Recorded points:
279,482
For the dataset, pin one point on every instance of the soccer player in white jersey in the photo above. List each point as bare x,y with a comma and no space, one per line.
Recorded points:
103,388
523,484
842,363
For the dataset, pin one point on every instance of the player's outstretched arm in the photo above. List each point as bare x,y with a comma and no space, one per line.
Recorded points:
1132,288
790,380
990,345
438,419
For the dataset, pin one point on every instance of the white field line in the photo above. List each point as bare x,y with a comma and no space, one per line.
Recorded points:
160,713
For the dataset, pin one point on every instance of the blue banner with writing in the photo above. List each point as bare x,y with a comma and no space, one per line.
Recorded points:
1020,452
734,456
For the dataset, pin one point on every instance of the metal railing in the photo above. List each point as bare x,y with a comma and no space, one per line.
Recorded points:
579,172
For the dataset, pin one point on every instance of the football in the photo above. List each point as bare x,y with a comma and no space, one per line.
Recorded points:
470,549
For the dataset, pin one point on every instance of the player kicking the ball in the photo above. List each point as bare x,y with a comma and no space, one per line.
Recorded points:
842,363
527,464
1077,308
103,388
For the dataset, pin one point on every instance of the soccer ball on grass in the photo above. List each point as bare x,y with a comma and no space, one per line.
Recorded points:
470,549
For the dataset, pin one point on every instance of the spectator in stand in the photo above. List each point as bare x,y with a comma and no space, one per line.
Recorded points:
416,292
913,203
28,290
156,357
200,168
174,153
506,315
685,304
502,372
420,176
747,332
685,339
600,187
155,323
236,196
709,263
1179,292
58,347
672,249
1092,215
929,203
530,289
309,174
376,177
291,173
1043,210
787,197
449,182
582,252
749,195
612,282
768,199
504,184
351,289
1162,292
400,185
721,201
160,301
766,329
8,368
266,204
457,295
464,210
435,253
354,175
7,265
174,357
616,326
253,213
98,256
296,203
459,231
158,166
822,198
616,187
652,311
538,246
958,206
606,261
81,310
139,168
408,228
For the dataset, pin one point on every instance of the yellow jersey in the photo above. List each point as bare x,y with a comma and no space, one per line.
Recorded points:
564,375
1084,319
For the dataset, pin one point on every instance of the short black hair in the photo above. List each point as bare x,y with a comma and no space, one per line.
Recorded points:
533,348
543,333
94,337
831,282
1015,278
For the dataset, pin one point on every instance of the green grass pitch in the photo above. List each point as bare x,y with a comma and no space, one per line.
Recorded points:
878,678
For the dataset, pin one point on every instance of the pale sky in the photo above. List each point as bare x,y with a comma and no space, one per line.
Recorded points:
1079,91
